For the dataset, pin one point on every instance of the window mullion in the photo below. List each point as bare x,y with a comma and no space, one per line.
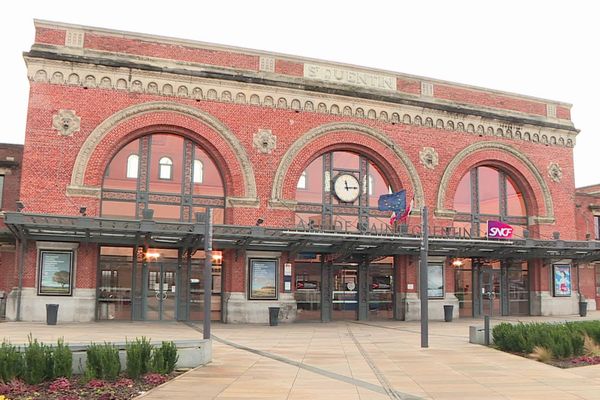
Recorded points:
503,196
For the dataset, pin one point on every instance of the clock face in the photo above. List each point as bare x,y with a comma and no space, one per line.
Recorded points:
346,188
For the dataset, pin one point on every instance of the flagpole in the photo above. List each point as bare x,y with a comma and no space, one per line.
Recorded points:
423,281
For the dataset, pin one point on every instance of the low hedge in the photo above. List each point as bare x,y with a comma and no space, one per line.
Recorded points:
564,340
37,362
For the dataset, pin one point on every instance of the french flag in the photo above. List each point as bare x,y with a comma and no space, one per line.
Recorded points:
399,217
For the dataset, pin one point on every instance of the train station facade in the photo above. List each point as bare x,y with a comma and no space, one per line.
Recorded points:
131,138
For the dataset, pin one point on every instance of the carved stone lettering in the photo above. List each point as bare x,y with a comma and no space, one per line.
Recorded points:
350,77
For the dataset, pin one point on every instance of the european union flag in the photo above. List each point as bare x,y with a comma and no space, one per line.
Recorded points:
393,202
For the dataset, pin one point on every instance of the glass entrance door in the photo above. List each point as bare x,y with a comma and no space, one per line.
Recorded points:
161,291
345,293
489,284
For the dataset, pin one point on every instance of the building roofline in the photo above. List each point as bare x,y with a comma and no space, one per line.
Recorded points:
214,46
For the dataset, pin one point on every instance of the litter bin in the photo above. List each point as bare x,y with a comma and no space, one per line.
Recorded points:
582,308
273,316
448,312
51,314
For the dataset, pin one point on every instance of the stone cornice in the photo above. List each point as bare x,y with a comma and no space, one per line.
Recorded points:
240,202
83,191
263,89
195,44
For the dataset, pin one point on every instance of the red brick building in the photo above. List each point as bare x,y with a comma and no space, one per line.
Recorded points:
10,178
131,137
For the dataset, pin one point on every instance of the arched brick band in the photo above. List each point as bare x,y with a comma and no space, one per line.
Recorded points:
317,133
78,187
482,146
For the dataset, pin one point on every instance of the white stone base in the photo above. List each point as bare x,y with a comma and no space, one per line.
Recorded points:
77,308
592,306
435,307
237,309
550,305
192,353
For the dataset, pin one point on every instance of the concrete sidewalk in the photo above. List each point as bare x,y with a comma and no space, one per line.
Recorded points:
346,360
378,360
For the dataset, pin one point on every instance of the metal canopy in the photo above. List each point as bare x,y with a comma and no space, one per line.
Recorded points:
340,245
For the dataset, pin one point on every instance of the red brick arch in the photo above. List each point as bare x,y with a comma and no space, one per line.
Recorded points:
163,117
503,157
387,155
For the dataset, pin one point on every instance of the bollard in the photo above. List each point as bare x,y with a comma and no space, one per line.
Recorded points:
486,330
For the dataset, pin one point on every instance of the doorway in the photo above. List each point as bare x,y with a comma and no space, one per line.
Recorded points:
161,291
491,293
345,292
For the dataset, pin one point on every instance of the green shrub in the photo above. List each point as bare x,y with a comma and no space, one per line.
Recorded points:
164,358
63,360
11,362
102,362
562,340
139,353
37,359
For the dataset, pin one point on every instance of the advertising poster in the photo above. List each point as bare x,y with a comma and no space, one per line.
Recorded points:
562,280
56,273
435,281
263,279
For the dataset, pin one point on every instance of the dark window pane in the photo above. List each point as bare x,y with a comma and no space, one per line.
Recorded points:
345,160
307,291
462,197
489,191
166,158
378,185
211,183
119,168
313,192
516,203
1,189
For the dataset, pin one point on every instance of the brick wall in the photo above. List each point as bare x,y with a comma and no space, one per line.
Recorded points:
195,52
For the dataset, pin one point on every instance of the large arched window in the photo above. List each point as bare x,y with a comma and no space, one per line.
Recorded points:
132,166
343,193
171,190
487,193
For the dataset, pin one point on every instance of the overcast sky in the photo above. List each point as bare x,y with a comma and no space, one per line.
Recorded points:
547,49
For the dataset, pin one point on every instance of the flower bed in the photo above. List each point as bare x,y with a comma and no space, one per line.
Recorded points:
40,371
77,388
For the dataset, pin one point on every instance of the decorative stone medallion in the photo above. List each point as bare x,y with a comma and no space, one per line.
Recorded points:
66,122
429,157
554,172
264,141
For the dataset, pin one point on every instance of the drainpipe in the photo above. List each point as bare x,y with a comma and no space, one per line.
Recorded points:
22,243
578,283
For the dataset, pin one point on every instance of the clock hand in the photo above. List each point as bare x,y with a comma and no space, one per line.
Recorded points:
346,184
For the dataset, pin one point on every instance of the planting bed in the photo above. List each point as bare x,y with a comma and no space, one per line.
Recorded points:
77,389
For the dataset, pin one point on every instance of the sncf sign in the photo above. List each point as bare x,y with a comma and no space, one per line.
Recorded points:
499,230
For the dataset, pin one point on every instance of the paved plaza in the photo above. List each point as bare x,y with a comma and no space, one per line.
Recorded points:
342,360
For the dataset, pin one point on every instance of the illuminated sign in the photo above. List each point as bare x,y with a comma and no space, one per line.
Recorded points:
499,230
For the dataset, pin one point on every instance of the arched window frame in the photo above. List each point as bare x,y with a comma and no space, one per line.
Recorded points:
475,216
165,168
198,171
133,165
330,210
